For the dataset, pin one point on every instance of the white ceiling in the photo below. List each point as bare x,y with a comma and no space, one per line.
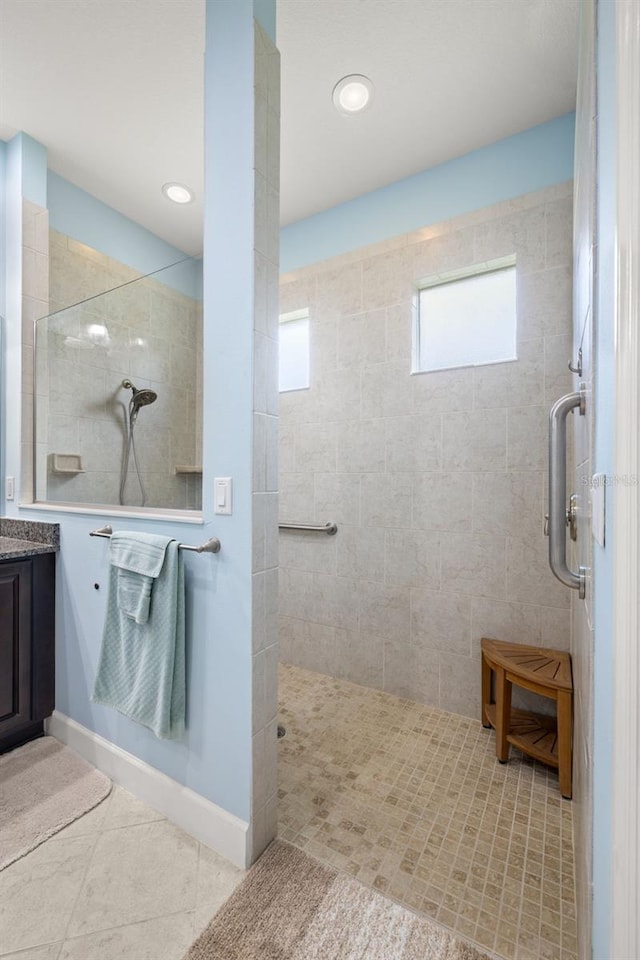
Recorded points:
113,89
449,76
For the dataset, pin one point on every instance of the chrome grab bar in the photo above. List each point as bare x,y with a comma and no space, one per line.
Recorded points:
329,528
559,516
210,546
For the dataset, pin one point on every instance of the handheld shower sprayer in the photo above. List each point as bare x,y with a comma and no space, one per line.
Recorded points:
139,398
142,397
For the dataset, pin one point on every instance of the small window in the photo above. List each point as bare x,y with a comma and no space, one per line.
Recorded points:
467,319
294,351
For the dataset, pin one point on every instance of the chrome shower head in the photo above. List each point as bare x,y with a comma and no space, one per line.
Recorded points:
140,398
143,397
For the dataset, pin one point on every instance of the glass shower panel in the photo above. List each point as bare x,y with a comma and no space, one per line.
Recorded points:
119,395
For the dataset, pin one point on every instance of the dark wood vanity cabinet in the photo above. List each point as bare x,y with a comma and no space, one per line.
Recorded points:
27,650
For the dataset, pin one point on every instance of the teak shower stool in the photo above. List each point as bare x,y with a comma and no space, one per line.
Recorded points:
546,672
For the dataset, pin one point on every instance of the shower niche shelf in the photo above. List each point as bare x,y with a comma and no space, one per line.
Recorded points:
67,463
185,468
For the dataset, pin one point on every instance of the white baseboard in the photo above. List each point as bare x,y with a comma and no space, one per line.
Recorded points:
204,820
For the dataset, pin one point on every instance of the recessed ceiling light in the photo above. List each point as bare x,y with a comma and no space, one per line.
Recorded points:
177,192
352,94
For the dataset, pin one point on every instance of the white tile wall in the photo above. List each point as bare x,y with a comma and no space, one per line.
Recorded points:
314,447
35,304
436,480
81,406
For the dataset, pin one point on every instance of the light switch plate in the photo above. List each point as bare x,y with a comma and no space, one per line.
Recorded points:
222,495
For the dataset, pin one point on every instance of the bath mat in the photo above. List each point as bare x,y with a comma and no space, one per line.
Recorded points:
292,907
44,786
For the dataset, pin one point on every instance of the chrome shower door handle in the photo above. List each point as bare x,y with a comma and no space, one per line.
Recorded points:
558,514
572,516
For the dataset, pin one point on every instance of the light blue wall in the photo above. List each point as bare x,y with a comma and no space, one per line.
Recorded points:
215,758
265,13
228,372
80,215
80,608
604,463
528,161
34,160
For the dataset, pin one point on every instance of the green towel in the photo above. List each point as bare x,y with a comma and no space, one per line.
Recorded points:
139,558
142,665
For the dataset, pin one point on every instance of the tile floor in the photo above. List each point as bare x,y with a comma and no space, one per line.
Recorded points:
412,801
407,798
120,883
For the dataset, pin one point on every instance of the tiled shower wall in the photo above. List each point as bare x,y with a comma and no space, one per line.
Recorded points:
155,339
436,480
35,304
265,442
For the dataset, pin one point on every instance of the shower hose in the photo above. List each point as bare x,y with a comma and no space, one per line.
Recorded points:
129,449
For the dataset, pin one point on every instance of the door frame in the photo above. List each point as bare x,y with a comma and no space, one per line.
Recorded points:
625,826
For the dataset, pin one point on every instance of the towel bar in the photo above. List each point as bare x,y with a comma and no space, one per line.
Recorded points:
211,546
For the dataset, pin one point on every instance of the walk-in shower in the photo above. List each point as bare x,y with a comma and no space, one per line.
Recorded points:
437,481
99,359
139,398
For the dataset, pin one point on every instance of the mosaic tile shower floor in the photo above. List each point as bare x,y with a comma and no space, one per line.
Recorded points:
412,801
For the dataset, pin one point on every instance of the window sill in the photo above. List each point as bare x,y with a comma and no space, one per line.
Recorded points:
138,513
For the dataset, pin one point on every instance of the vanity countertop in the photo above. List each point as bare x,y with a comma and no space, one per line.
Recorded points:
12,549
24,538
